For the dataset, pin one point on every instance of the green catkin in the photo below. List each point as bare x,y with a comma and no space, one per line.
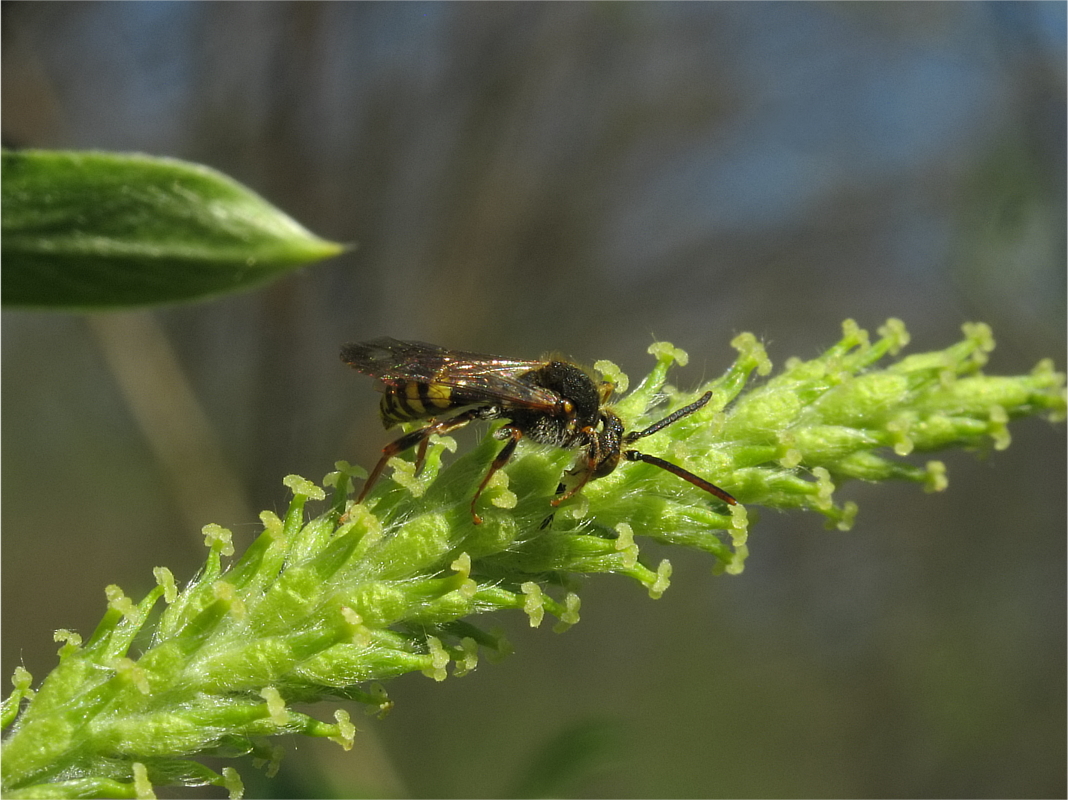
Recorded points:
331,605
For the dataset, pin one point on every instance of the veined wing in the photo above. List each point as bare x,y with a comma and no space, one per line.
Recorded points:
478,376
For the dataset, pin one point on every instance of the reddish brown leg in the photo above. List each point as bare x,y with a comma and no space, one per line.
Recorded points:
592,459
419,437
514,435
406,442
420,453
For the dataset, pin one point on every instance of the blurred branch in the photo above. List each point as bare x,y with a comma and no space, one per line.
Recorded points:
171,418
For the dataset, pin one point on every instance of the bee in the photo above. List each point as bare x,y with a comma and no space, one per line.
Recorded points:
551,402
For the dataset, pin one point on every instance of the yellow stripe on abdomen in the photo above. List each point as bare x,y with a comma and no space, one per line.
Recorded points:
413,401
438,394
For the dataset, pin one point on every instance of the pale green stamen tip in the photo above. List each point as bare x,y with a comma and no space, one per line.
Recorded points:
303,487
665,351
219,539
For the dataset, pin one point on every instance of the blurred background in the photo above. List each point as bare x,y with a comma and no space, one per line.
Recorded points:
583,178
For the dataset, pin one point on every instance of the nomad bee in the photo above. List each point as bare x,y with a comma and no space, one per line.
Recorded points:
550,402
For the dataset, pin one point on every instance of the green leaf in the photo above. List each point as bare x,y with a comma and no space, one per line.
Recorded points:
101,230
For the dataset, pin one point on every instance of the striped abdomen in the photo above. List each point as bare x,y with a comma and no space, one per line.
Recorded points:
416,400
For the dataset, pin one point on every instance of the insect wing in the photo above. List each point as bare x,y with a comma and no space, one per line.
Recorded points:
477,376
393,361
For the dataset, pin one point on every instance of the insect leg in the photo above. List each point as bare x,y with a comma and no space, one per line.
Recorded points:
587,469
406,442
686,475
514,435
409,440
440,427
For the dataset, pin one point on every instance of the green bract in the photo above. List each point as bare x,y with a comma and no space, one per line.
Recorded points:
335,604
102,230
